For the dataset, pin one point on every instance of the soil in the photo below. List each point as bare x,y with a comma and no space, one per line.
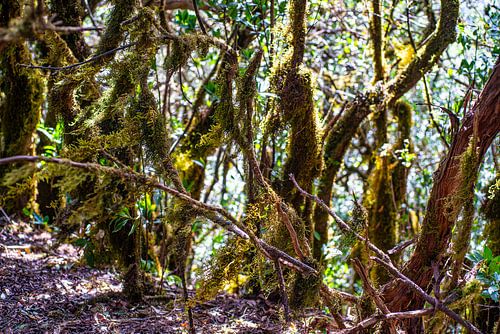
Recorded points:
46,288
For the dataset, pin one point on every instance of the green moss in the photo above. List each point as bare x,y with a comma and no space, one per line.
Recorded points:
222,269
305,288
463,201
402,110
113,35
382,212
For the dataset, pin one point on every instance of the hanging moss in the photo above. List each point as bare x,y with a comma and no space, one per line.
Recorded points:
113,34
295,106
222,269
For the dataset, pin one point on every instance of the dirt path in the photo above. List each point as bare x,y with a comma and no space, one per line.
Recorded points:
43,289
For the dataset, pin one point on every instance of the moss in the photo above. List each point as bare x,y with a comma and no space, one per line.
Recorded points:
402,110
491,212
222,269
295,109
183,47
464,201
113,35
377,39
20,106
305,288
71,14
358,223
386,187
382,212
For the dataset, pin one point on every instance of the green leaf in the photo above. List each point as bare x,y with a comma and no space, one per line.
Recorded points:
121,223
132,229
317,236
487,254
81,242
26,212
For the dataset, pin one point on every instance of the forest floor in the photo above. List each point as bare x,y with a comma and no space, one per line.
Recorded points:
46,289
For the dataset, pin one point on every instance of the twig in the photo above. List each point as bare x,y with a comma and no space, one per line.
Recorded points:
89,11
182,90
431,300
6,215
426,89
383,259
71,29
198,17
343,225
291,231
90,60
400,247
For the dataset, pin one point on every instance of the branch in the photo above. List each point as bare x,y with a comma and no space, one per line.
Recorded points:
340,223
284,297
370,290
438,41
198,17
90,60
400,247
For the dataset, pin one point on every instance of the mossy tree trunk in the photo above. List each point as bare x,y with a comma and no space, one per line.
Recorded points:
294,85
20,107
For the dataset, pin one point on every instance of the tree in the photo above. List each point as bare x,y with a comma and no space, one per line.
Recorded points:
191,118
